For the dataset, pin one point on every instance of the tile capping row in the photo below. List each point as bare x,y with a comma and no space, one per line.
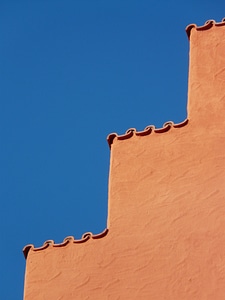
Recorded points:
70,239
148,130
208,24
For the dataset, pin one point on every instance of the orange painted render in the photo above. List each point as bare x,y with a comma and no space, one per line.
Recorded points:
166,211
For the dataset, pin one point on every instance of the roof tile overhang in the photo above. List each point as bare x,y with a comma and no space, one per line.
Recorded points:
148,130
208,24
70,239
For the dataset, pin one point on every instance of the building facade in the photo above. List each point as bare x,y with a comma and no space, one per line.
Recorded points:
165,235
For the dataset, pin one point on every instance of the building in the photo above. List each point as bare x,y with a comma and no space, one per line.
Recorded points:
165,236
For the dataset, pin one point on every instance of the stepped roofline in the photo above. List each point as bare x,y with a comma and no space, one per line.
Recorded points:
128,134
168,125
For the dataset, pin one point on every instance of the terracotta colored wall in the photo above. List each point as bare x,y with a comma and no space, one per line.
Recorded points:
166,220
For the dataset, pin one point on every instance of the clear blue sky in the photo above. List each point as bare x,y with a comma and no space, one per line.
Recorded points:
71,72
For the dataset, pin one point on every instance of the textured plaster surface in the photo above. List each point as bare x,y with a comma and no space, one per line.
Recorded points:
166,216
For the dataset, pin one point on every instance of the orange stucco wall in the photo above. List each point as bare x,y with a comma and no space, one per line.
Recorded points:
166,219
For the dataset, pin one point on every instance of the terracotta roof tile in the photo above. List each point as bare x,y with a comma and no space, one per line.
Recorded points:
70,239
148,130
208,24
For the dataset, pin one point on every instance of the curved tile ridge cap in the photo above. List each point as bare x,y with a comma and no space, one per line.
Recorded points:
70,239
208,24
148,130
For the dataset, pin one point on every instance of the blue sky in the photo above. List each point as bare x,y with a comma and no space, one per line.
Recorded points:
73,71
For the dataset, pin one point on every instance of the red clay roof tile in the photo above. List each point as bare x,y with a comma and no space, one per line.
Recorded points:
70,239
148,130
208,24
